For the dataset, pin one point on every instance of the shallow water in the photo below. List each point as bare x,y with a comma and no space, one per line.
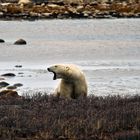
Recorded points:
107,50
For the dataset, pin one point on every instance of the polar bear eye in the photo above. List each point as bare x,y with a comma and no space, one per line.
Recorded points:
55,66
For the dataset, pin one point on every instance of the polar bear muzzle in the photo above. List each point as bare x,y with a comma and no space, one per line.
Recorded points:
54,77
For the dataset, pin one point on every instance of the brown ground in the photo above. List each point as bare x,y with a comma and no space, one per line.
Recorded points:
44,117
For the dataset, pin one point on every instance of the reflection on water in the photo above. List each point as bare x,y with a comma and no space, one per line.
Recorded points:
107,50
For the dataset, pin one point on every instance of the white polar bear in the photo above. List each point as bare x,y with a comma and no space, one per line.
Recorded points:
73,83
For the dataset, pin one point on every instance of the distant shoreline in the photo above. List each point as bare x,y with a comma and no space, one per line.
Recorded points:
60,10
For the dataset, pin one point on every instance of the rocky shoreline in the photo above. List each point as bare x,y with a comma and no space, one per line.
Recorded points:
61,10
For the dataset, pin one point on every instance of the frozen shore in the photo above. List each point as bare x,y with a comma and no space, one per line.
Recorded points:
107,51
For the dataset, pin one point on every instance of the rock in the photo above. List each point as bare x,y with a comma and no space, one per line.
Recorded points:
18,85
8,75
34,15
11,87
3,84
18,66
95,3
73,1
13,9
86,13
72,10
61,16
20,42
4,92
1,79
80,8
2,41
1,14
8,93
25,2
20,73
54,6
5,3
47,14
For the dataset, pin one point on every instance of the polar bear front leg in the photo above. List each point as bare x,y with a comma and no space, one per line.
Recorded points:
80,89
64,89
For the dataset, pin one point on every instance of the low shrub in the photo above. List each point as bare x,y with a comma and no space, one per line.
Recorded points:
44,117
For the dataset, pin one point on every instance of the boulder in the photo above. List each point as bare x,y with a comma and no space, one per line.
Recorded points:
20,73
80,8
55,7
13,9
73,2
8,93
8,75
11,87
1,14
20,42
18,66
3,84
47,15
25,2
2,41
18,85
1,79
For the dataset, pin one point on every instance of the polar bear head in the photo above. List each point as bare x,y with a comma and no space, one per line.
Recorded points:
65,71
60,71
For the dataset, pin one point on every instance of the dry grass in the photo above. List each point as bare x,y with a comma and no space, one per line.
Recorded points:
43,117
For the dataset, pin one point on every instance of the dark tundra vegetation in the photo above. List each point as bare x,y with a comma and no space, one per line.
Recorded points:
44,117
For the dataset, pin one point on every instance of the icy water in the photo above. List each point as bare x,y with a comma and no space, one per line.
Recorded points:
107,50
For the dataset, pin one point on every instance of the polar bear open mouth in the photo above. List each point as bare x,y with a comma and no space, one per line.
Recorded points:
54,77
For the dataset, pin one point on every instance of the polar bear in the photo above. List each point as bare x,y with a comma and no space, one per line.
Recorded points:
73,83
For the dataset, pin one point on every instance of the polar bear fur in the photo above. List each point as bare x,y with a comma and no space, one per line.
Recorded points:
73,83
